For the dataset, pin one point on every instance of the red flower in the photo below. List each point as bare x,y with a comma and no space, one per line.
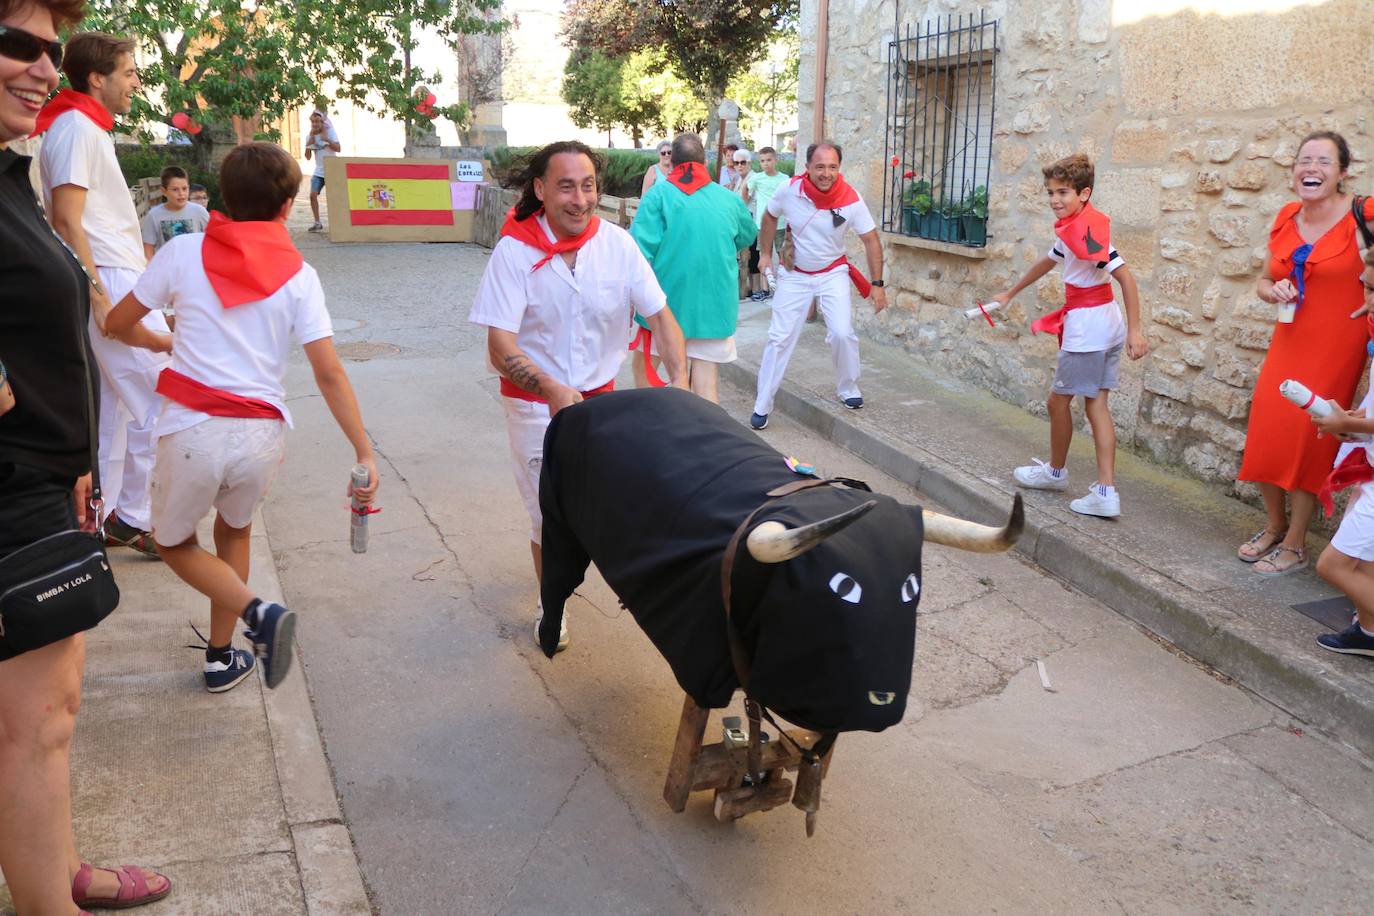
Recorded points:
895,161
909,175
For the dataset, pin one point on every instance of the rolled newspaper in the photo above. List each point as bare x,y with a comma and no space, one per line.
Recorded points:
1298,393
981,311
357,522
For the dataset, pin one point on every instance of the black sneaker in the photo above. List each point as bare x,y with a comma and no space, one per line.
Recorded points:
271,640
1350,641
220,677
758,420
119,533
854,403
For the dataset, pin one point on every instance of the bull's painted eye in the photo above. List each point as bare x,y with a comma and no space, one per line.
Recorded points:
846,588
910,589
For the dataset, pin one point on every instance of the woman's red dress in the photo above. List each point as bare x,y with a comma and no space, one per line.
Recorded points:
1324,348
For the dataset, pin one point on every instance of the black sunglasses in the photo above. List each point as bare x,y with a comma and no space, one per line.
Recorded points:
25,47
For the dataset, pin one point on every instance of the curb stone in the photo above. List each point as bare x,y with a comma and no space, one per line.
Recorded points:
1294,678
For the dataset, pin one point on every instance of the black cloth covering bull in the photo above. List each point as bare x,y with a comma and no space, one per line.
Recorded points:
651,484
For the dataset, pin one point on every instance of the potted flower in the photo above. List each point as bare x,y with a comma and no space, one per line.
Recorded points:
974,219
947,229
916,204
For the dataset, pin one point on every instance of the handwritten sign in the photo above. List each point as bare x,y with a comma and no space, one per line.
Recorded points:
470,170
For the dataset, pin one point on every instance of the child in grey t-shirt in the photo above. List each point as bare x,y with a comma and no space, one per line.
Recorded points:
177,216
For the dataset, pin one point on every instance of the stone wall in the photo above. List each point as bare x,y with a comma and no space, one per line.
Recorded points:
1193,122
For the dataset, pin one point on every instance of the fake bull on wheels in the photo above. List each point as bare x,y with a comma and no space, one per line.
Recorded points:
744,574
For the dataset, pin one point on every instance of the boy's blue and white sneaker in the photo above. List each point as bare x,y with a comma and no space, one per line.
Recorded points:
1040,476
1350,641
853,403
220,677
272,640
758,420
1104,502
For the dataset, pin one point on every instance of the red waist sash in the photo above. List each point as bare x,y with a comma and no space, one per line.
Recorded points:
511,390
1355,469
188,392
855,276
1075,297
644,342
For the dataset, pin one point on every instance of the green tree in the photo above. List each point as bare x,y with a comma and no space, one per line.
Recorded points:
216,59
709,42
648,76
767,91
591,87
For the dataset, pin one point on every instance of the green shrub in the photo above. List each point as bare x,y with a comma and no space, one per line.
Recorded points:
138,162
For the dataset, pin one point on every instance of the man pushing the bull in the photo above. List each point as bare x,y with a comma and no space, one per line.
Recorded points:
820,207
553,299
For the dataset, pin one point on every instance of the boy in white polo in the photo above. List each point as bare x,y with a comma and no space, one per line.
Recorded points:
557,299
241,292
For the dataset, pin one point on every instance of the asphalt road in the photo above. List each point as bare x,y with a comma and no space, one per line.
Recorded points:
477,776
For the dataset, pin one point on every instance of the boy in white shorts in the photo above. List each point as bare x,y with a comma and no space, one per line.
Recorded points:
1345,563
1091,333
241,291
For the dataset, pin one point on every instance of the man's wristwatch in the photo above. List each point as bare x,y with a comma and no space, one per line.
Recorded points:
878,283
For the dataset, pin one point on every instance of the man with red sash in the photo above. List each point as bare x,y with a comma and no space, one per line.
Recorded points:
820,209
1090,331
1346,562
556,299
241,292
89,205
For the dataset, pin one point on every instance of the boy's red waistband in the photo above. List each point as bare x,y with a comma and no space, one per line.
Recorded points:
1075,297
188,392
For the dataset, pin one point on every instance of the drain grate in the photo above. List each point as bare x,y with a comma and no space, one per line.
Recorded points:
367,349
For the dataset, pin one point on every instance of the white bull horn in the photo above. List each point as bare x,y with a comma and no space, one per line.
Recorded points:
965,535
774,542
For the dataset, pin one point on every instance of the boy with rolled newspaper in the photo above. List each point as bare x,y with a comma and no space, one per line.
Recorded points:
1090,329
1345,563
241,292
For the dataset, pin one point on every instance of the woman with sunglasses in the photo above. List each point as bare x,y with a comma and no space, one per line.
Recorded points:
658,171
44,484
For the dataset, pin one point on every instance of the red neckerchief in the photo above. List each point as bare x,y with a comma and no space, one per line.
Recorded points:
839,195
71,100
689,177
529,231
1355,469
247,261
1088,234
216,402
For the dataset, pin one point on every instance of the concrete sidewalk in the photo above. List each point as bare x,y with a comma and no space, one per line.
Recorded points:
1168,563
230,795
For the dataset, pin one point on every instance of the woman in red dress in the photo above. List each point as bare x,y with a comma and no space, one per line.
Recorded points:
1315,265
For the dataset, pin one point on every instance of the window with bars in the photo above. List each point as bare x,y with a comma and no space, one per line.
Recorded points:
942,78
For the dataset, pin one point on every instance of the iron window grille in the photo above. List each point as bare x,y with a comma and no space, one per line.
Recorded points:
940,112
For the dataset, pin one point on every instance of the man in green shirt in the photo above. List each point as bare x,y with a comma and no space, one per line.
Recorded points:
691,230
762,186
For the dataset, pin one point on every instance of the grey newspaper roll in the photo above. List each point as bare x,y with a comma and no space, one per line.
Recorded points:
357,523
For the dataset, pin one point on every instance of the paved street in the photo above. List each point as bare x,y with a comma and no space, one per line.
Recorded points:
476,776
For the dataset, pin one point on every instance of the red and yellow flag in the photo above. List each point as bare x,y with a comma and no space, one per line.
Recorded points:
399,195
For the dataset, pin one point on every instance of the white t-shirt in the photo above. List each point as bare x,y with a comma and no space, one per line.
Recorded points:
817,239
242,350
320,144
574,325
161,224
1099,327
75,151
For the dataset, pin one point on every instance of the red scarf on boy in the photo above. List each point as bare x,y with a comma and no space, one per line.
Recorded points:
689,177
71,100
247,261
529,231
1088,234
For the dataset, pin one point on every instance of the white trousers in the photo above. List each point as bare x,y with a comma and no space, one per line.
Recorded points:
790,302
128,409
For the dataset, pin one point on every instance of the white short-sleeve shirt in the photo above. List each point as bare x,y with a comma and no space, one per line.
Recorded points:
1098,327
320,144
574,324
77,152
242,350
818,240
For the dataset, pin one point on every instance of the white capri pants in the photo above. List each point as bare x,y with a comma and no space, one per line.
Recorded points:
790,302
526,423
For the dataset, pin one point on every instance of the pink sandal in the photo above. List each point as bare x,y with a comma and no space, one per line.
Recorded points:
133,888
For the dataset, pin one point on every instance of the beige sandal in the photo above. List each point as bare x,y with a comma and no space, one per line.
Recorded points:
1274,569
1260,550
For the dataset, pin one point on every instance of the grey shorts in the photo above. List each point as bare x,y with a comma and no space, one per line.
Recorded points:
1087,374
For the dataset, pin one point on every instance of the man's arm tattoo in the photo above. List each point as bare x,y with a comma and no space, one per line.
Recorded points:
524,373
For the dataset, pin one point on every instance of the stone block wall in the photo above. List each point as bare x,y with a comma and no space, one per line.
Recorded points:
1193,122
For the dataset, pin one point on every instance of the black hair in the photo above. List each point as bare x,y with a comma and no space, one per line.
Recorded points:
824,144
537,165
688,148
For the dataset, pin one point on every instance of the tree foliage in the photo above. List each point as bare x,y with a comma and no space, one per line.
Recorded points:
767,91
638,92
708,41
216,59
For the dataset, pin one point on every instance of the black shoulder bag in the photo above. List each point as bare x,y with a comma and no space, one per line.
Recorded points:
61,584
